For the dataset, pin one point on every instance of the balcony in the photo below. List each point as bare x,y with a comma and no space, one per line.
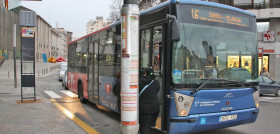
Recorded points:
261,5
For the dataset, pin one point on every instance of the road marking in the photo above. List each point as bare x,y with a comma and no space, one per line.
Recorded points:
52,94
79,122
69,93
268,98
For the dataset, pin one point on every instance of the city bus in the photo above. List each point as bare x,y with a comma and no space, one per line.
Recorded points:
204,55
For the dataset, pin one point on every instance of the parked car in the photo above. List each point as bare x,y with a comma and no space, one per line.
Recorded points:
268,86
62,72
63,64
64,80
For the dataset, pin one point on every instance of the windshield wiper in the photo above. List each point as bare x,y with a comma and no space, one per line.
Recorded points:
233,83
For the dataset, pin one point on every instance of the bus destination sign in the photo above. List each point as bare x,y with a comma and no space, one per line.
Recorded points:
218,17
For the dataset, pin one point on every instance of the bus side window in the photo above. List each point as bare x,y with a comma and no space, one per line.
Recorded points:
145,50
157,45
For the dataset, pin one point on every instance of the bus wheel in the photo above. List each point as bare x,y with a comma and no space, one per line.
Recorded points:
80,93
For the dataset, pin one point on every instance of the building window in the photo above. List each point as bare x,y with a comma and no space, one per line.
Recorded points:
262,26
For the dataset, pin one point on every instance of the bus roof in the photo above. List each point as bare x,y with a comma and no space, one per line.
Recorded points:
104,28
166,3
90,34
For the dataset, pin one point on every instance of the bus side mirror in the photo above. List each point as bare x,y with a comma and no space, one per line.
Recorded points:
175,35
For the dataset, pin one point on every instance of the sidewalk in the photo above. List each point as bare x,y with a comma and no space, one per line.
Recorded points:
41,69
29,117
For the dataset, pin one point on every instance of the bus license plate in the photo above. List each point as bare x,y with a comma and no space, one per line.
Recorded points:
228,117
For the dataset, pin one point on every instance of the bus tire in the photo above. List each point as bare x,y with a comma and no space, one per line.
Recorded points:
81,93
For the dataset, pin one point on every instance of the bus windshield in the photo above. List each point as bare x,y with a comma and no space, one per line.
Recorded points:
213,52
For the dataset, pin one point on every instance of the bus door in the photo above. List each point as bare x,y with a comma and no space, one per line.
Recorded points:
151,51
90,71
95,72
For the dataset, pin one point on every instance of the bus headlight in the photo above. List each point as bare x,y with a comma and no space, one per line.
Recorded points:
256,96
183,104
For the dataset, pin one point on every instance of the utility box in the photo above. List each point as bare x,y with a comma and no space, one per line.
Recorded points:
27,22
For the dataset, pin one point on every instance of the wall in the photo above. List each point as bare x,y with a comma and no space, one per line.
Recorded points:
274,25
7,19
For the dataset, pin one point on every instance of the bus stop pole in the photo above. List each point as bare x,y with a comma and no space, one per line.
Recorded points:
129,67
15,58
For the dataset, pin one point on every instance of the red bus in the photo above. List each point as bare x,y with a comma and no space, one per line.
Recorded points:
92,65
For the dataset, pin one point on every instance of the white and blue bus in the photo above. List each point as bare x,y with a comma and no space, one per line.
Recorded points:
204,55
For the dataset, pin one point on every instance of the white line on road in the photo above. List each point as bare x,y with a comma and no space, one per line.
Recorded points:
52,94
69,93
268,98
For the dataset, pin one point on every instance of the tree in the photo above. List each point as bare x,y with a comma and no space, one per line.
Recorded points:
115,14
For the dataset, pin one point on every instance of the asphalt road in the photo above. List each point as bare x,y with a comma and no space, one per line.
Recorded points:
108,122
267,122
105,122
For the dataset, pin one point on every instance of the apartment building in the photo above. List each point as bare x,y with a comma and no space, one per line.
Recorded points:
95,25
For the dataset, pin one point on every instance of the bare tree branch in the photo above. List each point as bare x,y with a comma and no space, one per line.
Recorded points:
115,13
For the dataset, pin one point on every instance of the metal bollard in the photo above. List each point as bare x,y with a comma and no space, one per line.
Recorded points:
8,74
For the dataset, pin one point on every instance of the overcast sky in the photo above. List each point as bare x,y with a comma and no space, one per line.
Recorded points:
71,15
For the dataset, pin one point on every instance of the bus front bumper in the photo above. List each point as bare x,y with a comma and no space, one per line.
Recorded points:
211,121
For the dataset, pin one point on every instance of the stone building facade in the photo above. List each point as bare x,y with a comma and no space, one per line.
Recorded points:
63,42
48,40
7,20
